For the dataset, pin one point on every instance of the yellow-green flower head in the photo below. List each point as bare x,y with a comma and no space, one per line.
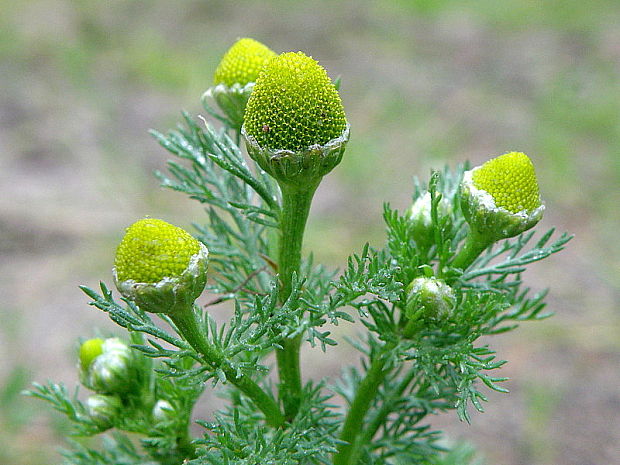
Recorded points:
89,351
500,199
152,250
242,62
294,105
511,181
161,267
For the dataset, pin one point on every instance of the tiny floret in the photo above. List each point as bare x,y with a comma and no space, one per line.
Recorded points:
152,250
242,62
511,181
294,105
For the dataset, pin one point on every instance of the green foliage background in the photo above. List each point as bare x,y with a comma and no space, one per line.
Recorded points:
424,83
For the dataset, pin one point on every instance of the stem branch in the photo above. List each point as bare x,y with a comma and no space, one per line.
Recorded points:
188,327
474,245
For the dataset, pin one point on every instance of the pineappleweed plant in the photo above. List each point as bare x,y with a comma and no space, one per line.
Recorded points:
448,274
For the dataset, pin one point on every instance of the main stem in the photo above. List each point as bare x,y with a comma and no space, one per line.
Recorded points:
296,203
188,327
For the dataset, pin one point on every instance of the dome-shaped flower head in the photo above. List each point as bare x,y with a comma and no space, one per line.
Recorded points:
234,79
500,199
160,266
242,62
294,122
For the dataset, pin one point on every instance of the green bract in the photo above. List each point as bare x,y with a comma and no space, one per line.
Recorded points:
242,62
294,105
161,267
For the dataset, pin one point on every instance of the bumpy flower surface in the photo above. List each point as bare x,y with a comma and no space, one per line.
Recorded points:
152,250
294,105
511,181
242,62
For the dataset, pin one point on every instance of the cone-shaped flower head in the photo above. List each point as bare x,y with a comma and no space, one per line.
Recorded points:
294,122
511,181
160,266
107,366
242,62
429,298
500,199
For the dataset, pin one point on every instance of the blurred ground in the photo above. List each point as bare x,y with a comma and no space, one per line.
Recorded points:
425,83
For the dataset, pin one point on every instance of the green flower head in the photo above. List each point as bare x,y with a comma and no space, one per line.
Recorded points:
242,63
152,250
162,268
294,105
500,199
511,181
89,351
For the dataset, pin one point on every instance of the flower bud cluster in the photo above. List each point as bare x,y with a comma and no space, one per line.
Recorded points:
107,366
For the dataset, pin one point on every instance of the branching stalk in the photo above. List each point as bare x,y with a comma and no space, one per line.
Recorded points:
474,245
188,327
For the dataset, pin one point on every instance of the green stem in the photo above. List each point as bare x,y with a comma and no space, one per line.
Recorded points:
474,245
296,203
354,422
378,419
188,327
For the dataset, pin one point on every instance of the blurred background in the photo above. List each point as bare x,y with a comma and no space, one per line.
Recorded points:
425,83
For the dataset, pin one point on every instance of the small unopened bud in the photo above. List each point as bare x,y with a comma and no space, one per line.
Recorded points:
163,412
103,410
500,199
429,298
421,219
294,125
112,370
89,351
162,268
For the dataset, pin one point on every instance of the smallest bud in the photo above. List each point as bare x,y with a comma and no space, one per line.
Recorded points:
103,410
89,351
429,298
421,220
163,412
